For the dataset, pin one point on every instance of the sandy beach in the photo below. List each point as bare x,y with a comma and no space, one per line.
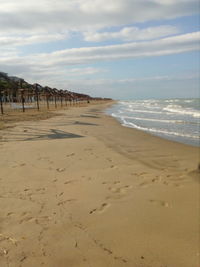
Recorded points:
80,190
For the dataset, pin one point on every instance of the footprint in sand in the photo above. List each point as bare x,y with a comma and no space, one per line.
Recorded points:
22,164
26,189
141,173
176,180
116,182
27,219
177,185
10,214
107,182
18,165
160,202
40,189
113,167
144,184
38,220
4,237
70,182
150,181
66,201
118,192
156,179
122,189
100,209
24,213
60,169
70,155
165,183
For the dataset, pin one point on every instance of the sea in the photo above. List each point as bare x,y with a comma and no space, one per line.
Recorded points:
173,119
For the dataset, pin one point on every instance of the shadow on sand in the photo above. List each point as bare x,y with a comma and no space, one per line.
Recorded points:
31,134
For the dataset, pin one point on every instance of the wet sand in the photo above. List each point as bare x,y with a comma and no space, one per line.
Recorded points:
80,190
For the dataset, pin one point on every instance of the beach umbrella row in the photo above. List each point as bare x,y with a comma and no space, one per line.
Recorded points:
17,90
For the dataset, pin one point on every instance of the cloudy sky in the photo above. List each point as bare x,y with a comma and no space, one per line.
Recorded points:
124,49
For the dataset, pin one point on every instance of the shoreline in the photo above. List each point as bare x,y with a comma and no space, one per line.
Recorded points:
164,133
80,189
151,134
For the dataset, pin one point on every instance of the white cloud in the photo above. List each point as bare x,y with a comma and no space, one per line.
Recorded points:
13,41
85,55
65,73
132,34
84,71
165,46
44,16
26,22
52,66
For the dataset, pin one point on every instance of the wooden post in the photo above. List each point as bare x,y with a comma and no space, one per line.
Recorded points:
47,99
1,102
37,97
23,100
55,101
61,100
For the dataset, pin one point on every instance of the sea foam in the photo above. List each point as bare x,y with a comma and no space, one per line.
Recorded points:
175,119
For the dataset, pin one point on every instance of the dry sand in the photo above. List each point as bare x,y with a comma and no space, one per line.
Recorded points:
79,190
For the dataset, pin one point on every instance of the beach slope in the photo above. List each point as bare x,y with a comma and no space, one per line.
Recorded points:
80,190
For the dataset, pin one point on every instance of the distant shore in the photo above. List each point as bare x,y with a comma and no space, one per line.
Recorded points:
79,189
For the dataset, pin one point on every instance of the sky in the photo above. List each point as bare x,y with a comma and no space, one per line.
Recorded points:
123,49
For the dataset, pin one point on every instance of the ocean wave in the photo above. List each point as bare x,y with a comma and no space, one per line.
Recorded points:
146,111
154,120
188,101
179,110
120,116
157,131
172,100
175,119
